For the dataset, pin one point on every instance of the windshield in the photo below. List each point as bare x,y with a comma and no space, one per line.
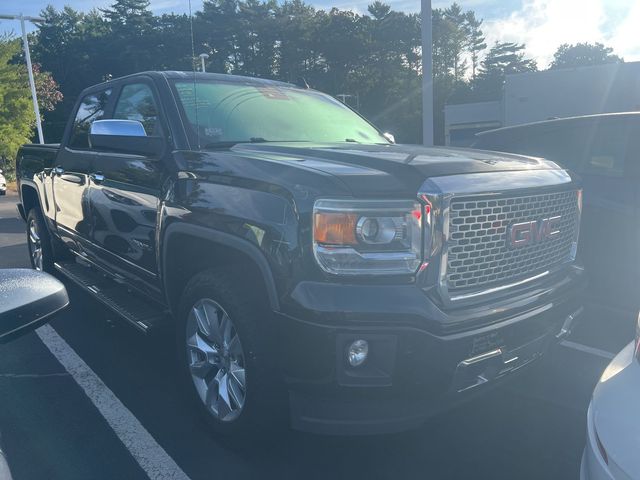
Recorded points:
232,112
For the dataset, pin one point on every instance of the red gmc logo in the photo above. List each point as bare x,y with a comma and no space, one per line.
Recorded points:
528,233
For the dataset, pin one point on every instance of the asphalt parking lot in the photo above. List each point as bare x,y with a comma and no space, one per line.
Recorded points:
90,398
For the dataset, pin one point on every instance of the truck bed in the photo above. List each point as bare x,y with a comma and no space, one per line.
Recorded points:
35,157
42,146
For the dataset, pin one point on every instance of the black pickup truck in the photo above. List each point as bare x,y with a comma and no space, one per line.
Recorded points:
312,269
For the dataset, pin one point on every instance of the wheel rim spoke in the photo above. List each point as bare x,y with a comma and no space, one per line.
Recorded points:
235,392
224,401
33,233
202,320
225,328
216,359
214,314
234,346
199,343
201,368
211,394
205,358
237,374
35,246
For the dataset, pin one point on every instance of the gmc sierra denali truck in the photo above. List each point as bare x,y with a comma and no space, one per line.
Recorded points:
313,270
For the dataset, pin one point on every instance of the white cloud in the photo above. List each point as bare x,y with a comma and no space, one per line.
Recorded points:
543,25
625,38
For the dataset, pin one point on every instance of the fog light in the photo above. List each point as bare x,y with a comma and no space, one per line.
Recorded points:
357,352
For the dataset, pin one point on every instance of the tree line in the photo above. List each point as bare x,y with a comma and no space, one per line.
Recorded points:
372,59
17,118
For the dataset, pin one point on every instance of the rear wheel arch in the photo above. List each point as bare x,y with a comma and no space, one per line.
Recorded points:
190,249
30,198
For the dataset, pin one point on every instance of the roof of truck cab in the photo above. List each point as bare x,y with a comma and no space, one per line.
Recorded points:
200,76
561,121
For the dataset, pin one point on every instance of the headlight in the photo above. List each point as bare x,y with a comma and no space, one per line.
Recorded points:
353,237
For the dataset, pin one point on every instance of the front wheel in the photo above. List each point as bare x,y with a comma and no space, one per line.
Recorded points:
225,355
39,242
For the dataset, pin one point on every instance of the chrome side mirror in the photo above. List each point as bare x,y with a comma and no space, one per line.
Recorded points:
389,137
120,128
124,136
28,299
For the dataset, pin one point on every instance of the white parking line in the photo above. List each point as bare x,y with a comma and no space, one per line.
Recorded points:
157,464
587,349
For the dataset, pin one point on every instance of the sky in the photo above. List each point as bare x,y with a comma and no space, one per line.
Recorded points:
542,25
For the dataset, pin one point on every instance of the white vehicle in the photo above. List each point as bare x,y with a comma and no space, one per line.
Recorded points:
3,184
613,424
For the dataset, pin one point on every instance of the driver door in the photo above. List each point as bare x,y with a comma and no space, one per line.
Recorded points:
125,191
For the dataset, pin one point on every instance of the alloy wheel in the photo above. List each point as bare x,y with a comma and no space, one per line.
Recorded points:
216,360
35,245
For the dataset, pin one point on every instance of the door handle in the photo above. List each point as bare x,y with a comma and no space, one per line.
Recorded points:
58,170
77,179
97,177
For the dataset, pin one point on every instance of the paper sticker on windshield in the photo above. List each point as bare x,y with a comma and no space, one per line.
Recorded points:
213,132
273,93
602,161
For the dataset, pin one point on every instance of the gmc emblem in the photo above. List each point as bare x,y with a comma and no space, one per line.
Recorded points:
528,233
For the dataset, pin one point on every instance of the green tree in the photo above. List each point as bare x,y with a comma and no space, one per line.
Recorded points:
387,80
298,55
475,40
458,39
132,37
72,46
16,112
583,54
501,60
375,56
47,89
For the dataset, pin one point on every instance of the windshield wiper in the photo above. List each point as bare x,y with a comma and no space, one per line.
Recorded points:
230,143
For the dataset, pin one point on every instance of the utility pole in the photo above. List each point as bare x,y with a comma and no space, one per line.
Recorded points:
427,74
27,56
203,57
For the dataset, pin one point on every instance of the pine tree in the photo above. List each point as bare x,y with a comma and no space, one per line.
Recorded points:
475,40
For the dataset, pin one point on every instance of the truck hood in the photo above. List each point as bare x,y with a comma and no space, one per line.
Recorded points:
385,169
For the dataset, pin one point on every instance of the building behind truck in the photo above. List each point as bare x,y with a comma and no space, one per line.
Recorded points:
535,96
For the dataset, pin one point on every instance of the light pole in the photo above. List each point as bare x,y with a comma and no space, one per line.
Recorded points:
343,98
427,74
27,56
203,57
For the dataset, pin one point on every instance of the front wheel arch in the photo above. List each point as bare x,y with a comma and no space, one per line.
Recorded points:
190,249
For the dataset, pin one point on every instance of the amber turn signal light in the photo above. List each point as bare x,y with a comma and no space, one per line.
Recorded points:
335,228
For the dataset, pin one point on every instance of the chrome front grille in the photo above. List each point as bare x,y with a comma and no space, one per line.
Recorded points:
478,255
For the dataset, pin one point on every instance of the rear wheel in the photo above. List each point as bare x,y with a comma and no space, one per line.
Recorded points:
39,242
225,355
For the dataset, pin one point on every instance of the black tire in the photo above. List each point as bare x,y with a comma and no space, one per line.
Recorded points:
3,192
265,404
34,217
